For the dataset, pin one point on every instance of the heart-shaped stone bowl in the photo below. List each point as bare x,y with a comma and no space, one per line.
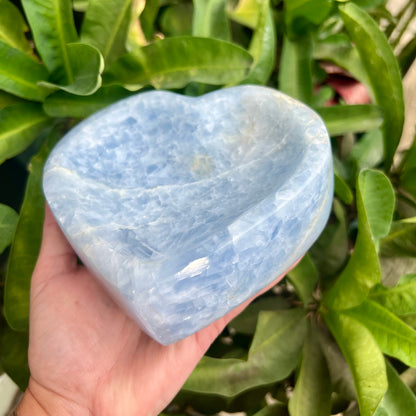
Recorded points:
186,207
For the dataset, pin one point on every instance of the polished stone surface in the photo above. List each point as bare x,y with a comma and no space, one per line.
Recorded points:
185,207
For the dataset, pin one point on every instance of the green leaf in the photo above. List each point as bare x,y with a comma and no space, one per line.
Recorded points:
210,19
295,74
13,356
342,381
335,50
52,25
342,190
375,205
263,46
400,299
20,124
8,220
246,12
274,409
409,159
341,119
401,241
382,69
330,251
13,27
379,200
407,56
392,335
175,62
322,96
409,319
19,74
86,66
148,17
26,243
302,15
63,104
304,278
364,358
246,322
368,4
7,100
80,5
274,353
105,26
369,151
399,399
312,393
175,20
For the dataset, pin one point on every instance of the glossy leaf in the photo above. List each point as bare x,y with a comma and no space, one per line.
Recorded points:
210,19
274,353
400,299
263,46
375,204
392,335
26,242
369,151
341,119
382,69
175,62
52,27
399,399
63,104
86,66
342,190
401,241
13,357
13,27
364,358
304,278
19,74
312,393
379,200
106,25
8,220
20,124
295,74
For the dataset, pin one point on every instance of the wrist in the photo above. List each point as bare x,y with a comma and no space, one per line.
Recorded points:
28,405
39,401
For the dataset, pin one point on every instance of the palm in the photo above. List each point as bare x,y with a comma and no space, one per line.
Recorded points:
84,348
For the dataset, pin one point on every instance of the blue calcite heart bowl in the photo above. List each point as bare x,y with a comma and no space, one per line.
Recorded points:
186,207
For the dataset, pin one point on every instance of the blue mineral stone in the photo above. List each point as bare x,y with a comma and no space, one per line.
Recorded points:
186,207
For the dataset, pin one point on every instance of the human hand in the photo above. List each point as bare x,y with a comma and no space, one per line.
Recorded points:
86,356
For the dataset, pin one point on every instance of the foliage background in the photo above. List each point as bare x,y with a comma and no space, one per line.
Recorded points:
338,335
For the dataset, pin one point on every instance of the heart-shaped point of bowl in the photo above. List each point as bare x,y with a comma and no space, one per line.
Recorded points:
186,207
